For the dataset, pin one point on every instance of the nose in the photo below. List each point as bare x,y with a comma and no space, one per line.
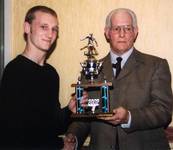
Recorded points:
122,32
49,34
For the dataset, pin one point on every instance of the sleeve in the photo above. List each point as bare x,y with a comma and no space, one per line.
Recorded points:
63,114
7,91
7,85
63,119
127,125
158,113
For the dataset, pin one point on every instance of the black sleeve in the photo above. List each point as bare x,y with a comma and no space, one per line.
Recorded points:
63,120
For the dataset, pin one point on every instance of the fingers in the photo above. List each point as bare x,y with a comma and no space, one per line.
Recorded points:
84,101
70,138
72,104
113,119
84,97
120,115
73,101
69,142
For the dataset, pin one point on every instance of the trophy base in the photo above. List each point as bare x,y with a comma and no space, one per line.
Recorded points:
91,115
92,84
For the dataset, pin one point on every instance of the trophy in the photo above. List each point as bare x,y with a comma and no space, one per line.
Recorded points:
98,104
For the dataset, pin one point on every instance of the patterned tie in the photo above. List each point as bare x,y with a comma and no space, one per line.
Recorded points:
117,66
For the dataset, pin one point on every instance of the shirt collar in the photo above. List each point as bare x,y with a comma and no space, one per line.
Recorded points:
124,56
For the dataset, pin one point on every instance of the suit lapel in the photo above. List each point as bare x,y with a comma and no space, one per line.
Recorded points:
107,68
133,61
130,65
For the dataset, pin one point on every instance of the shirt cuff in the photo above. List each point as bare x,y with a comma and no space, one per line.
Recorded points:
127,125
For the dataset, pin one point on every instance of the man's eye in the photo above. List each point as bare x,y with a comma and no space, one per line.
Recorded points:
115,29
128,29
55,30
44,27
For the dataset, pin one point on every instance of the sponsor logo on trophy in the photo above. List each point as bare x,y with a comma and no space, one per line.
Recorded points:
98,104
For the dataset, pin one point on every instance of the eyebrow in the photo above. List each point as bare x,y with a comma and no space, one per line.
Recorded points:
56,26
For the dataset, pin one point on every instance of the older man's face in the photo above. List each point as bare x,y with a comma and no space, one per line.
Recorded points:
122,34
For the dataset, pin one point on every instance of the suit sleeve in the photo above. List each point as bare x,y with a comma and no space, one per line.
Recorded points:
158,113
80,129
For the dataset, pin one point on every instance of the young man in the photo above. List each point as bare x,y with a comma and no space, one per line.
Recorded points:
30,112
141,99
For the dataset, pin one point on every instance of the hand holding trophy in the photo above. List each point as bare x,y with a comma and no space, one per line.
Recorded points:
98,105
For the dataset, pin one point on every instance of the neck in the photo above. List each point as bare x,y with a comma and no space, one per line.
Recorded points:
35,56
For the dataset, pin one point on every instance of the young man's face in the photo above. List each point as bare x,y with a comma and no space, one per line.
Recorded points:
42,32
121,34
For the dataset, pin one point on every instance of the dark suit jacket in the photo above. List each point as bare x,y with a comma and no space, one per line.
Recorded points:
144,88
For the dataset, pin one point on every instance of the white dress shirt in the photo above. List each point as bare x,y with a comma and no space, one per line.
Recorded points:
124,57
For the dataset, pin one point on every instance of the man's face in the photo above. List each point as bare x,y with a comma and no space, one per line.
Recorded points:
121,34
42,32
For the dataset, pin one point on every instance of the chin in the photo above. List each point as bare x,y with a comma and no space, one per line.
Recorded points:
45,49
122,49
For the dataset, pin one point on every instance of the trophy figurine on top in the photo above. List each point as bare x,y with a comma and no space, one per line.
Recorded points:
98,104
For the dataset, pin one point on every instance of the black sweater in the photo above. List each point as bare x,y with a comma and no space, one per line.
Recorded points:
30,112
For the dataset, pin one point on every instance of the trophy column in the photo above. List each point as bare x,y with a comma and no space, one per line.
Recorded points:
79,94
105,98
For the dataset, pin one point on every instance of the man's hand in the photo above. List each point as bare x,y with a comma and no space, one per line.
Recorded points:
69,142
84,102
120,116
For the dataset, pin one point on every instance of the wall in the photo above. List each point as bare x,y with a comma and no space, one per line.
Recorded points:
78,18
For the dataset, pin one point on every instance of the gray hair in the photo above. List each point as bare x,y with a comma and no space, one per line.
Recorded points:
130,12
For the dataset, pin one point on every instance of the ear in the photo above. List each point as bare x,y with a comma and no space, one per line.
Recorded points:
26,27
106,34
136,33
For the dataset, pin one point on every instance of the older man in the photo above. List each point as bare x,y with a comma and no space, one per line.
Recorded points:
141,99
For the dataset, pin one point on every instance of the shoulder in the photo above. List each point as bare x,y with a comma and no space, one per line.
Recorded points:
106,58
13,64
49,66
51,69
14,61
148,58
12,72
151,63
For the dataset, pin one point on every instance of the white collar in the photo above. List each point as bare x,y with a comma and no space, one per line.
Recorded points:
124,56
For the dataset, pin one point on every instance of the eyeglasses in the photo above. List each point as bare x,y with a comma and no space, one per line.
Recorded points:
126,28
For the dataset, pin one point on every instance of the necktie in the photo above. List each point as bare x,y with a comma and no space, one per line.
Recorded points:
117,66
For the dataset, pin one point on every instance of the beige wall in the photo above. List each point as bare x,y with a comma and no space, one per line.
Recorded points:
78,18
